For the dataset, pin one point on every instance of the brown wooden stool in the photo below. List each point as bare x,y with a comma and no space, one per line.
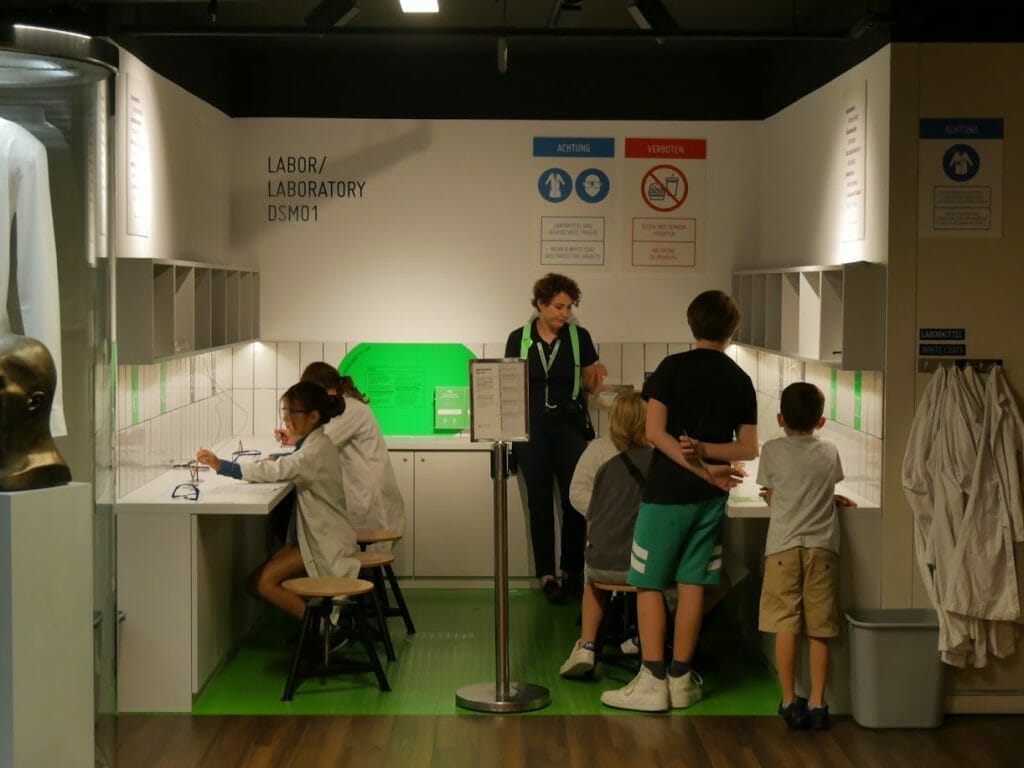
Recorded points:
364,538
319,594
630,661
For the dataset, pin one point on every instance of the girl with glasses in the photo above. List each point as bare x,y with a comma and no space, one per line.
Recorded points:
320,541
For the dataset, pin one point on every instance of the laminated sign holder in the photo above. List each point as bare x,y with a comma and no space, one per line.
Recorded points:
499,414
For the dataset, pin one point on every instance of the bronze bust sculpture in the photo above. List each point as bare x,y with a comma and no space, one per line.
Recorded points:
28,378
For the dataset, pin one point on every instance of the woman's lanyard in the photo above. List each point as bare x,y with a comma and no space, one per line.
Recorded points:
545,363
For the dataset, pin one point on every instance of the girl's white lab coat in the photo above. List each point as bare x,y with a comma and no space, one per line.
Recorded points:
371,488
325,536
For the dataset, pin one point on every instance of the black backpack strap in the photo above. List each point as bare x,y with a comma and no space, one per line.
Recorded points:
634,470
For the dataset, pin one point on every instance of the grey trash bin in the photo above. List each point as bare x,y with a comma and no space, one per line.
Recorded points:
895,668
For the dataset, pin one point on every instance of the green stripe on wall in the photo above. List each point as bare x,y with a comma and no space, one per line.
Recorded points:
857,384
135,394
833,397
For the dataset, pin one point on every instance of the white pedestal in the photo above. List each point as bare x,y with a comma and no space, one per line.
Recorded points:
46,654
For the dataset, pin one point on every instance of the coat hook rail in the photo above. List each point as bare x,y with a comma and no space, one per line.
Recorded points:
980,365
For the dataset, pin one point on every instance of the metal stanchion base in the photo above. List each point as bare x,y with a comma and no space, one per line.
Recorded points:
483,697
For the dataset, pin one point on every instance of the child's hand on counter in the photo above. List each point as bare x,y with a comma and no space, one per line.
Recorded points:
209,458
844,501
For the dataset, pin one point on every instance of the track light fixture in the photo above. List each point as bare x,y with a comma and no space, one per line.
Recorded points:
332,13
651,15
503,55
558,6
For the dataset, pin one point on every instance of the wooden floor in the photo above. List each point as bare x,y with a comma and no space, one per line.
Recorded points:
628,741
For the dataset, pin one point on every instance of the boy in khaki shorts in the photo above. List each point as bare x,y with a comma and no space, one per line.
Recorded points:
798,474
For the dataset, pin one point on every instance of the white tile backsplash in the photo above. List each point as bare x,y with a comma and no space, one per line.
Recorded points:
653,355
309,352
241,411
289,364
334,352
860,450
264,365
610,356
633,364
242,367
266,411
211,396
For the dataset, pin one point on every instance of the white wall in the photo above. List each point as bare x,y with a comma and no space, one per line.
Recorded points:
950,282
185,161
444,245
801,181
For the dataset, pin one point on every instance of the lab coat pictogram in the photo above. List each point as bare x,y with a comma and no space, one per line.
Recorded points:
554,185
961,162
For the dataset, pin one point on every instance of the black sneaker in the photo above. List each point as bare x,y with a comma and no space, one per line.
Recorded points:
817,718
553,592
795,713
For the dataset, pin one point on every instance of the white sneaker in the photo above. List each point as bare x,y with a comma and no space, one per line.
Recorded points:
644,693
630,646
685,689
579,663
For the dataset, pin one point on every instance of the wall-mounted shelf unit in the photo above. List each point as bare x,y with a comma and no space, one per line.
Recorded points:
833,314
167,308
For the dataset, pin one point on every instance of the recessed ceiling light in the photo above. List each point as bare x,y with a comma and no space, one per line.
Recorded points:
419,6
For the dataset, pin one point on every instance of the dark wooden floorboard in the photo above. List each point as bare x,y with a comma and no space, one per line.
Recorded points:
481,741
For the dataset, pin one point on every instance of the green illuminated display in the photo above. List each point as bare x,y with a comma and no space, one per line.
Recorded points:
400,380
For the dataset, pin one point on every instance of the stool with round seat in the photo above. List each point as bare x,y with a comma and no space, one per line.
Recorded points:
630,661
364,538
371,567
320,594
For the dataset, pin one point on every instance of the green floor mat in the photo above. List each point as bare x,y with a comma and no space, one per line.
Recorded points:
453,647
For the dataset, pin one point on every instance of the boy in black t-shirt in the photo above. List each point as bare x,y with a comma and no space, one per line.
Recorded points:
701,415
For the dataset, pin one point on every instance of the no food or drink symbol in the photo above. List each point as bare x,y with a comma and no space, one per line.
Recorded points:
664,188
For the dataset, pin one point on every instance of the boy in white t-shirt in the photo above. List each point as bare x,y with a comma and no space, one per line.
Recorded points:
798,474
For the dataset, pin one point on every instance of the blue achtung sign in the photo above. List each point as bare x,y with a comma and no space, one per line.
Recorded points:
568,146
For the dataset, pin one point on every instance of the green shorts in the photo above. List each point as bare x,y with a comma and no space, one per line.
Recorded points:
677,543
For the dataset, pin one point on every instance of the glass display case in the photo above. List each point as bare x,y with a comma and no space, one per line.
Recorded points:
56,101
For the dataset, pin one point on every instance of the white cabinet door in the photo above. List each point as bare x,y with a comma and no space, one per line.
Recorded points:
454,514
404,551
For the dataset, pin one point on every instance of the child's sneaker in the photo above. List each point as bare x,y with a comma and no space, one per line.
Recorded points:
817,718
644,693
795,713
580,662
685,690
630,646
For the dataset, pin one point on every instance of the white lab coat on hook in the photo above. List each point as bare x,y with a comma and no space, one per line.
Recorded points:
25,199
962,475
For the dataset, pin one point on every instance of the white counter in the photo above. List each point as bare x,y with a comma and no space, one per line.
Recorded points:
181,565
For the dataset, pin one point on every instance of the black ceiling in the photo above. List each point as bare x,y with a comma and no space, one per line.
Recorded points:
566,59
